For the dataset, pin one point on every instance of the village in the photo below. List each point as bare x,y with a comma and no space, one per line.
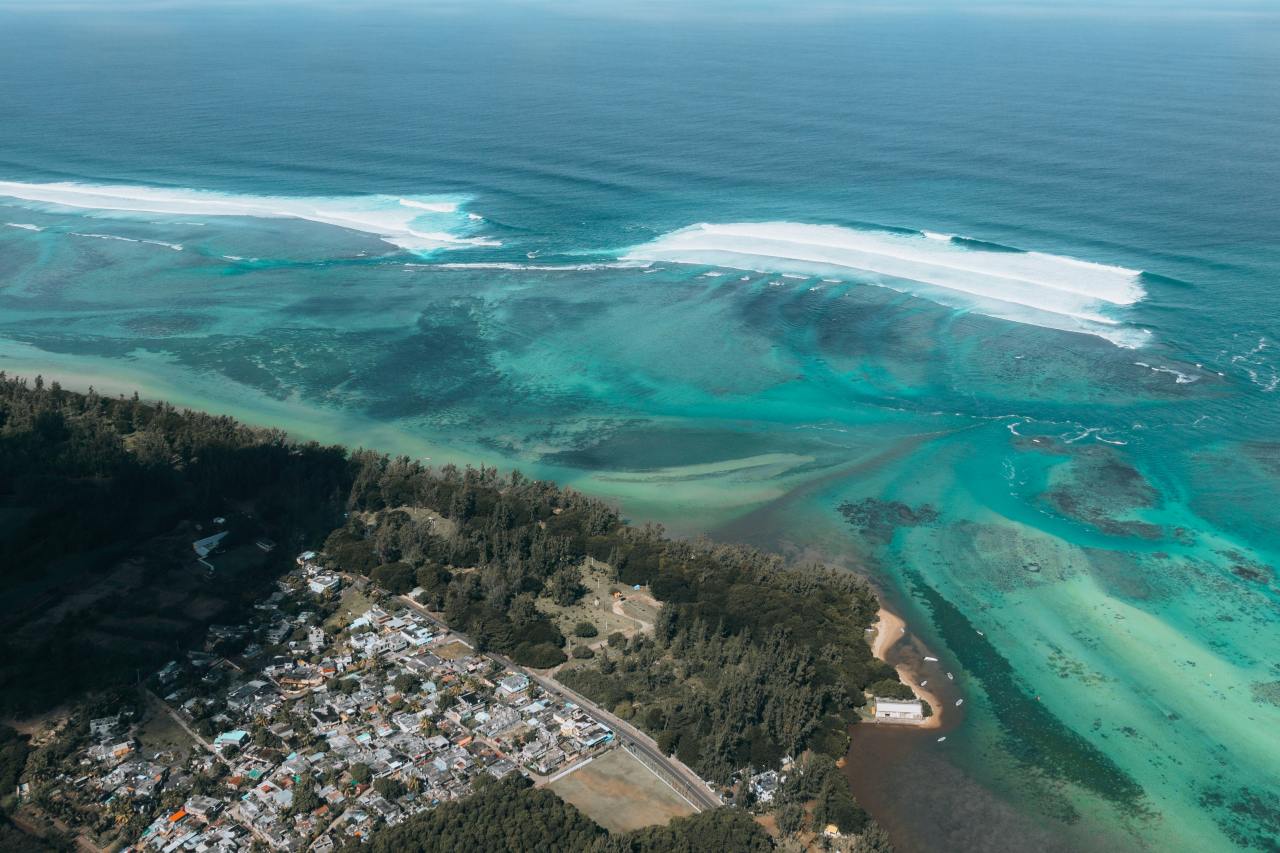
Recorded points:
363,716
332,708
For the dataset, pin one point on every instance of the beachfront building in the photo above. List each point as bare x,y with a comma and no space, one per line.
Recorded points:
899,710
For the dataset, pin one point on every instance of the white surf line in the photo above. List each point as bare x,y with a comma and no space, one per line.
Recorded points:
568,770
421,223
177,247
1035,288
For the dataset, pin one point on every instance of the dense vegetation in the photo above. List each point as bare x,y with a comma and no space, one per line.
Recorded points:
511,815
93,487
750,661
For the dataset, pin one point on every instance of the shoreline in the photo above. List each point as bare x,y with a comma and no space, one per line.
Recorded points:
890,629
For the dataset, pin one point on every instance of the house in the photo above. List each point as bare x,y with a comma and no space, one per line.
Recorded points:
899,710
206,546
202,807
169,672
322,583
236,737
103,728
306,557
765,785
513,684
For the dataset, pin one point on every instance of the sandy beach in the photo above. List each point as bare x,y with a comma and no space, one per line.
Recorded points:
889,630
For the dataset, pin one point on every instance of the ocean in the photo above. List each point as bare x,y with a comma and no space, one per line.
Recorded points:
984,305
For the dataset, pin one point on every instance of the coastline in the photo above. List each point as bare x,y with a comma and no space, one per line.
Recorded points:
890,629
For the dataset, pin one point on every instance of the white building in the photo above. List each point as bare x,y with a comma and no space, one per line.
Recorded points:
899,710
204,547
320,584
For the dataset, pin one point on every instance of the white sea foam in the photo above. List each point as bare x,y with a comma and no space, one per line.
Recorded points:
433,206
1026,287
25,226
419,224
177,247
1261,373
508,265
1179,377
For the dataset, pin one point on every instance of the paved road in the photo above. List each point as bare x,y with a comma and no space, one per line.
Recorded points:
694,787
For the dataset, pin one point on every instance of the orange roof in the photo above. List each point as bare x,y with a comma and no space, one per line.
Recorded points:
177,816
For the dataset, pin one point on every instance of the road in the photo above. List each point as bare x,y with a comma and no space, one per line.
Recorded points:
191,733
693,786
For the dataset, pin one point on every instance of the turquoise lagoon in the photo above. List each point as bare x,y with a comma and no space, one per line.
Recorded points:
984,306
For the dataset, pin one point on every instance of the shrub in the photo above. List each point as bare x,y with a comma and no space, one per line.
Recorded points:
396,578
538,655
585,629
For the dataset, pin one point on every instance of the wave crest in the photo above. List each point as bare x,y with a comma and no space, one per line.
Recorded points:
415,223
1036,288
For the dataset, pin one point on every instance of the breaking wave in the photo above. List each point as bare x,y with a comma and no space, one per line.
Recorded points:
507,265
415,223
177,247
1040,289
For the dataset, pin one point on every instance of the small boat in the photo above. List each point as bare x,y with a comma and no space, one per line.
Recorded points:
959,702
935,660
923,683
980,634
531,255
941,739
950,677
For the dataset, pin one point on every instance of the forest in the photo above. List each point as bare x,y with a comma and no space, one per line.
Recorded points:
97,500
751,659
511,815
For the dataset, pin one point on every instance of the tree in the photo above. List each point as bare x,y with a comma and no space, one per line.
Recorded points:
305,798
407,683
433,576
538,655
836,805
389,788
360,772
502,815
395,578
565,585
891,688
790,818
873,840
583,651
617,640
585,629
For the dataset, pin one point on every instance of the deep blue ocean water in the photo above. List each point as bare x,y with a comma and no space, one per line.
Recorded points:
704,264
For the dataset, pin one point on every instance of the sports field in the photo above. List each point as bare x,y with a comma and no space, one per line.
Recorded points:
621,794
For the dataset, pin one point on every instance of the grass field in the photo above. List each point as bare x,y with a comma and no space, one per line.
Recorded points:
621,794
453,650
159,732
630,612
351,603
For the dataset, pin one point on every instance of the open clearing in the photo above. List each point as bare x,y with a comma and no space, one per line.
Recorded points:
629,612
160,733
621,794
453,650
351,604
